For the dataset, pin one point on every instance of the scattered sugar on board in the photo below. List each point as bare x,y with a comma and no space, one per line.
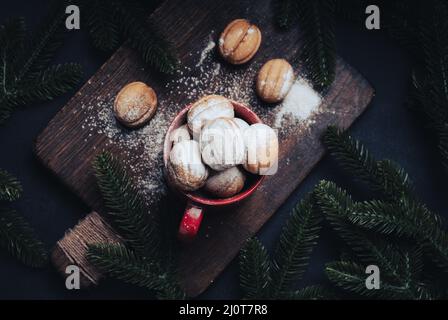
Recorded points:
211,44
142,149
300,104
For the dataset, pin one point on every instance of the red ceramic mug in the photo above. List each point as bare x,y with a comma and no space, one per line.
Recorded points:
197,201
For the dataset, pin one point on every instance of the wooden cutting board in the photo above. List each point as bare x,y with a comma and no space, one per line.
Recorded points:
85,126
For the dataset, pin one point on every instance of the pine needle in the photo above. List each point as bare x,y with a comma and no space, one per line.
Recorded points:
255,270
126,208
104,30
352,277
120,263
10,187
317,22
297,240
25,74
383,176
311,293
17,236
109,22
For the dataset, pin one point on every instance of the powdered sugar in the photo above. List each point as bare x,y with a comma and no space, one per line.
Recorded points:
211,44
300,103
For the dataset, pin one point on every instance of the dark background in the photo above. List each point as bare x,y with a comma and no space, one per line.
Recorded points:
387,128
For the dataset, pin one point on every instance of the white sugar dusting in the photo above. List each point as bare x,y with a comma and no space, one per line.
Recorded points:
142,149
300,103
211,44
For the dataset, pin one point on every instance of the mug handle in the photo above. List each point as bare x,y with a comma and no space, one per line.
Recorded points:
190,223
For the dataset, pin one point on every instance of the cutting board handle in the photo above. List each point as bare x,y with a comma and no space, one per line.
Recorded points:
72,248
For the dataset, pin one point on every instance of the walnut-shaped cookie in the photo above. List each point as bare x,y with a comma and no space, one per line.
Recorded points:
185,168
239,41
135,104
227,183
274,80
261,149
180,134
207,109
243,125
222,144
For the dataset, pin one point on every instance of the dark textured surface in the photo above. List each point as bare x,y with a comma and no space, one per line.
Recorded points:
387,128
68,151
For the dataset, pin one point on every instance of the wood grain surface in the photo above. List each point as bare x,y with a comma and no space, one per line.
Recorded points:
67,150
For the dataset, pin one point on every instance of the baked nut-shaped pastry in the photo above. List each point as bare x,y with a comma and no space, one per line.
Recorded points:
135,104
239,41
274,80
227,183
185,168
243,125
222,144
207,109
261,149
180,134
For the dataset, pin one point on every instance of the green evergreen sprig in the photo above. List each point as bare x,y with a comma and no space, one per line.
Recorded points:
421,28
144,260
255,270
16,235
126,208
111,22
430,86
125,265
317,24
10,187
25,74
317,21
400,213
263,278
297,240
382,176
393,232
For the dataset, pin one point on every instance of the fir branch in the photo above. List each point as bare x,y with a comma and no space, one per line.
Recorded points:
406,220
10,187
383,176
391,218
351,277
25,76
47,85
311,293
255,270
44,43
17,236
317,21
12,37
367,247
119,262
297,241
102,23
126,207
153,48
286,13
